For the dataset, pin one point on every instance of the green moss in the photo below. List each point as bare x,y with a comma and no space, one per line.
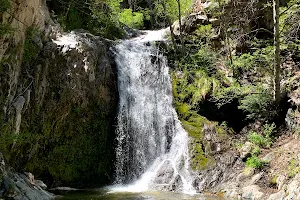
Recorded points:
5,29
31,49
189,89
4,5
183,110
194,125
74,150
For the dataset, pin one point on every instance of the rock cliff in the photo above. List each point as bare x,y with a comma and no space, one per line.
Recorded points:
58,98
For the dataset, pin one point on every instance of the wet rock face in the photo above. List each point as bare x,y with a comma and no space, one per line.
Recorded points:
166,179
69,93
76,92
165,173
222,164
21,186
226,168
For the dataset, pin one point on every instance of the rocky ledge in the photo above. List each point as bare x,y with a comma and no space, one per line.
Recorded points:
21,186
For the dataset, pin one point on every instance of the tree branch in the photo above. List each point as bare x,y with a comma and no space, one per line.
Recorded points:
288,8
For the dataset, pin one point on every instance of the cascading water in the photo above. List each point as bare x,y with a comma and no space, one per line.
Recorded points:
152,146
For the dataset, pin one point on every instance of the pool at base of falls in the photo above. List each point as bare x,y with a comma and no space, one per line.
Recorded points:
106,194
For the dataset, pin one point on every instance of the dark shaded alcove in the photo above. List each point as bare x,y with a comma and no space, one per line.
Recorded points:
229,113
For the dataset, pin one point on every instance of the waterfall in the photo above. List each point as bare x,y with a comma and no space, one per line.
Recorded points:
152,146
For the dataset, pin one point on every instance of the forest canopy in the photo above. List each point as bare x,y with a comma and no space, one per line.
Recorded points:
107,17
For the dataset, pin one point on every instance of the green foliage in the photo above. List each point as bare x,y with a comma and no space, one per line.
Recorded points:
73,20
97,16
254,162
171,8
227,94
260,140
263,140
258,105
132,19
102,24
289,17
259,63
257,139
293,168
193,86
204,31
205,58
5,29
269,130
31,49
255,151
196,78
273,180
4,5
105,19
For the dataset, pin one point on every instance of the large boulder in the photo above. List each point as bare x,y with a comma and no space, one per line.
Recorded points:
190,23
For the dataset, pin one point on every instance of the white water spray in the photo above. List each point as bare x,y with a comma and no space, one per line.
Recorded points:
152,146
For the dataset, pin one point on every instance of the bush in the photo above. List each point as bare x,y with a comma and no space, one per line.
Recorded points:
269,129
204,59
293,168
31,49
193,87
254,162
258,105
255,151
259,139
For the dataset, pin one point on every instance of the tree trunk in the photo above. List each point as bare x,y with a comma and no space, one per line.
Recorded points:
277,93
180,25
169,23
151,13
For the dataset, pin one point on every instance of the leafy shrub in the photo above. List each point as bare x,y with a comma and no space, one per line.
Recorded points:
259,140
273,180
293,168
204,59
258,105
261,60
102,24
269,129
255,151
194,86
254,162
132,19
204,30
31,49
